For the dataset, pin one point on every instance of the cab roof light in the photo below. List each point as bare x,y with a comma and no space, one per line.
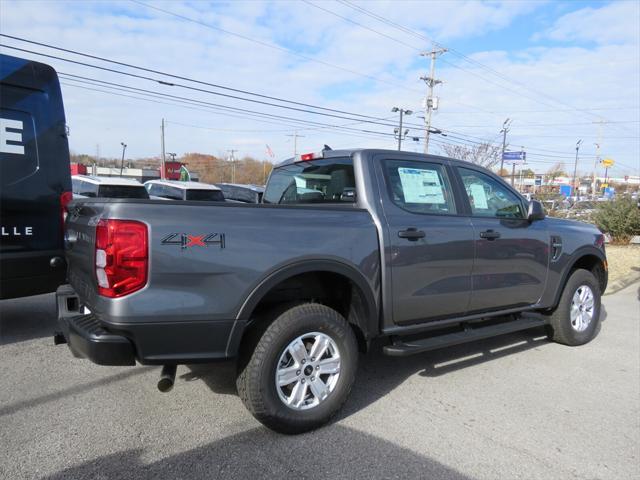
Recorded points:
305,157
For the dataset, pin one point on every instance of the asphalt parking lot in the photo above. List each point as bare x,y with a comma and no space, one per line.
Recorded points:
511,407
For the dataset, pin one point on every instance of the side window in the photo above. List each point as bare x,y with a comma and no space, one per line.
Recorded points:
488,197
419,187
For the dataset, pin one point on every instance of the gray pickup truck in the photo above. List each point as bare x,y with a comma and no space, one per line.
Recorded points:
347,246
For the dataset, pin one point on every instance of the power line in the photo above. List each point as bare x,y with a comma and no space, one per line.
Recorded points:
188,103
269,45
466,58
172,75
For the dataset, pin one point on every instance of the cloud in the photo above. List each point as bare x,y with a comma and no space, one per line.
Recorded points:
615,23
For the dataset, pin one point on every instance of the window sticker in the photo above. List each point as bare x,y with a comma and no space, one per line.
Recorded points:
421,186
478,196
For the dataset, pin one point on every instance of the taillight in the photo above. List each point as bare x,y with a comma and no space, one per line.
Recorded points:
65,199
122,257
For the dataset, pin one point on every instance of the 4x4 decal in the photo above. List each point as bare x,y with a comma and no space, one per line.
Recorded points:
186,240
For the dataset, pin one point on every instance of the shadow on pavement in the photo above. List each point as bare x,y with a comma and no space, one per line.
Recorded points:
27,318
333,452
379,374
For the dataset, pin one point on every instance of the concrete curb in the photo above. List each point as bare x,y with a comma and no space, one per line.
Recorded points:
621,283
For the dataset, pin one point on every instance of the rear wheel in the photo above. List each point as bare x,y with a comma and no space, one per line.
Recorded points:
576,318
301,370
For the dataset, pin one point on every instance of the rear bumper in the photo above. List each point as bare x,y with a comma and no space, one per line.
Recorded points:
85,335
157,343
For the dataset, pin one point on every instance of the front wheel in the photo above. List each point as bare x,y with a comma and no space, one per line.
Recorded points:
301,370
575,320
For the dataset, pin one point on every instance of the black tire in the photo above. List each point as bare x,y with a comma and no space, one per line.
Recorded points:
560,329
257,368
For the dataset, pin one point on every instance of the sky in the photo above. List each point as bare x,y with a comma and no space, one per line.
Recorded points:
561,71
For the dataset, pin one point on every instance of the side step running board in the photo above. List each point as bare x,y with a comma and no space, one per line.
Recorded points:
403,349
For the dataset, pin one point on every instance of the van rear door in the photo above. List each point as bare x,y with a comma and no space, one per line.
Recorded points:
35,179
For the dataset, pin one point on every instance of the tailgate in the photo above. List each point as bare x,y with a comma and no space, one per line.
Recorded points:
80,235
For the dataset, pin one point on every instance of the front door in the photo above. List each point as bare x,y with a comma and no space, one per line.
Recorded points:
512,254
431,245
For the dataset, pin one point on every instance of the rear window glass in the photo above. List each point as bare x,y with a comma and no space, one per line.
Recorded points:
122,191
328,180
205,195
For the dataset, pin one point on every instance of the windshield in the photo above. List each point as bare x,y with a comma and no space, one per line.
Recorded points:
205,195
123,191
318,181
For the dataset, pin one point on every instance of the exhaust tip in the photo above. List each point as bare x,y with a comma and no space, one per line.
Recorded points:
59,338
167,378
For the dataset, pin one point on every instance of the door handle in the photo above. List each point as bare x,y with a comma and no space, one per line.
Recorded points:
489,235
411,234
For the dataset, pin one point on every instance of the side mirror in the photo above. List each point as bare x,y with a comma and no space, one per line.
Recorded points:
536,211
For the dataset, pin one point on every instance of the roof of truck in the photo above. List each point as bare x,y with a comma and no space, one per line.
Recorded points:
121,181
320,154
184,185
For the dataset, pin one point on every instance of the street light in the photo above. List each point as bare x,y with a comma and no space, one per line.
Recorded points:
399,129
124,147
575,165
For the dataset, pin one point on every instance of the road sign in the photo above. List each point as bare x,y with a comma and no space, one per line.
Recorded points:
515,156
538,181
607,163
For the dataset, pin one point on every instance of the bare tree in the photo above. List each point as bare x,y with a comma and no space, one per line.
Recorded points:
555,171
484,154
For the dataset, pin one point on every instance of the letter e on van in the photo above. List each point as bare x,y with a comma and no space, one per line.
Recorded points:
6,136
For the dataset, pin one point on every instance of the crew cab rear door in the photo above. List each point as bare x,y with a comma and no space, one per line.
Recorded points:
512,254
430,243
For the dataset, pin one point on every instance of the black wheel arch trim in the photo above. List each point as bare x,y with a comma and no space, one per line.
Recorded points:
575,257
369,325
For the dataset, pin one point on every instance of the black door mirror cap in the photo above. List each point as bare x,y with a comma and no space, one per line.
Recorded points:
536,211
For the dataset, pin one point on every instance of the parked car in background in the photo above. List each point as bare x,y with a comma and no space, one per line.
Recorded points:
178,190
582,209
35,178
241,193
107,187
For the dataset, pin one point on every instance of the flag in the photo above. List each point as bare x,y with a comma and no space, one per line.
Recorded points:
185,176
270,152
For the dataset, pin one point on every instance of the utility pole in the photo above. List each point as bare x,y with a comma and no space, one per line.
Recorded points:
505,128
597,159
232,159
593,174
431,82
124,147
575,168
94,167
398,130
163,159
295,142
